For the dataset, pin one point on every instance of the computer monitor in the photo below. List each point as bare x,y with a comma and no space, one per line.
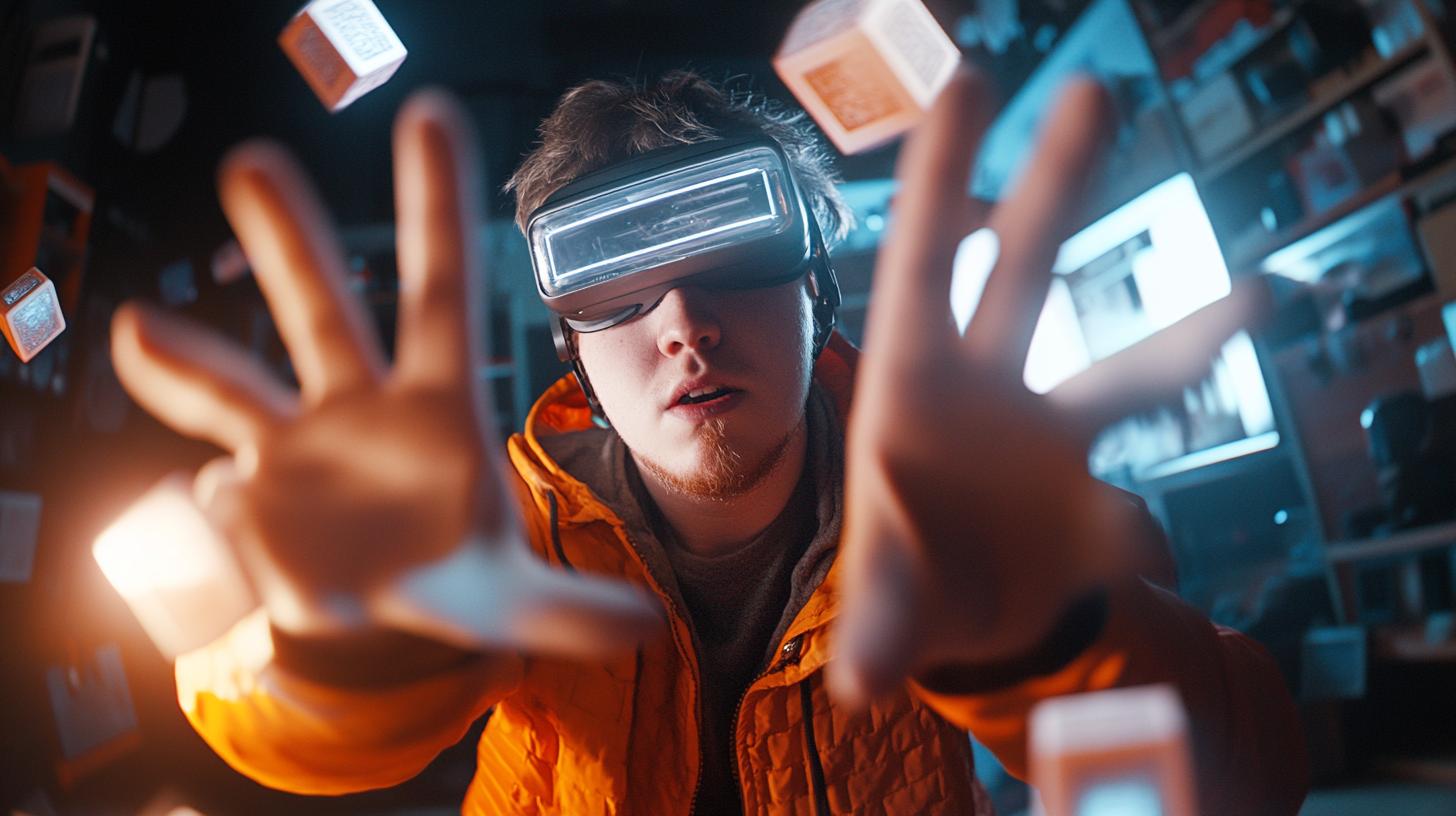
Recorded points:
1141,268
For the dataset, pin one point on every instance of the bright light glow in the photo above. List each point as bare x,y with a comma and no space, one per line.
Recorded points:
1448,317
173,569
974,259
161,541
1281,516
1121,797
1211,456
1164,247
1058,346
639,252
248,645
1305,260
1241,383
1181,268
1136,271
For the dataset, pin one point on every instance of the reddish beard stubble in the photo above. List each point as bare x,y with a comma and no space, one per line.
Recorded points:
724,474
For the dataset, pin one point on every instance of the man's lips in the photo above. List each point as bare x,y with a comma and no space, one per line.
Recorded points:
712,404
702,397
700,391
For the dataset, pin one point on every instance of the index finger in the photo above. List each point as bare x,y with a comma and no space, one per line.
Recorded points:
911,307
1032,222
437,194
299,265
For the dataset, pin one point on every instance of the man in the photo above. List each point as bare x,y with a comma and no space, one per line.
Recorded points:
743,597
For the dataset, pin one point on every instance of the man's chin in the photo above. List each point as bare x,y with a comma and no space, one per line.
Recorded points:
702,478
716,470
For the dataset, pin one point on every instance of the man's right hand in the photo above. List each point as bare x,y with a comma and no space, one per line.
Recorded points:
373,499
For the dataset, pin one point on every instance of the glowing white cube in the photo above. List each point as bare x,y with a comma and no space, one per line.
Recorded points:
866,70
343,48
173,569
30,314
1122,751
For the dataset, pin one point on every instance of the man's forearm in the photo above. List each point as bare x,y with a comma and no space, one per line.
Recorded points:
370,660
305,734
1248,748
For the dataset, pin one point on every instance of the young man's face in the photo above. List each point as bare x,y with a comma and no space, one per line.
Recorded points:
745,356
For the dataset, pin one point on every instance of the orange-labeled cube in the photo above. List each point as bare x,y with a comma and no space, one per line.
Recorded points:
30,314
1121,751
343,48
866,70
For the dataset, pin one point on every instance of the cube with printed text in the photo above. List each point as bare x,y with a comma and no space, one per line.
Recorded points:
30,314
343,48
866,70
1122,751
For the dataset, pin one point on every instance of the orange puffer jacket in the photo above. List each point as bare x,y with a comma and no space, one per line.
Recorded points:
621,736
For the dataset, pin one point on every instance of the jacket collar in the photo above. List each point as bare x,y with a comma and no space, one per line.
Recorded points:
563,409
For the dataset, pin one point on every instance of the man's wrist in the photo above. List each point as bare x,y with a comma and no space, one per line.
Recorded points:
1077,629
374,659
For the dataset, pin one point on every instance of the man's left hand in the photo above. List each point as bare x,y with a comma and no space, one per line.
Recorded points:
972,523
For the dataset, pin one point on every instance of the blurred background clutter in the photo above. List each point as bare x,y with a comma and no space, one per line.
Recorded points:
1308,486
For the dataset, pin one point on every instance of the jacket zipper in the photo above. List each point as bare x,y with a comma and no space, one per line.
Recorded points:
811,747
790,657
673,608
556,533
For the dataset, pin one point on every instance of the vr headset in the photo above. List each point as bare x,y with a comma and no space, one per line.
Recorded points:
723,214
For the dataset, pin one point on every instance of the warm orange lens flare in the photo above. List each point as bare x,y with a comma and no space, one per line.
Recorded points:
173,569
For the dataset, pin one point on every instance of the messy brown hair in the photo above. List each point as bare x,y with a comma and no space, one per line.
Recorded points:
602,122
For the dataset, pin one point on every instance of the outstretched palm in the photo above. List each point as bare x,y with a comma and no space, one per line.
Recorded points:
375,498
972,521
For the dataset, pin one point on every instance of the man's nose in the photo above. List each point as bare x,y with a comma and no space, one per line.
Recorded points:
684,320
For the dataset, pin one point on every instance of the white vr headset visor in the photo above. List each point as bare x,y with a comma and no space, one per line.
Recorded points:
725,214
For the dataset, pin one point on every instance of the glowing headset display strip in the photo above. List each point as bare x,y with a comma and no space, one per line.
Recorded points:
752,204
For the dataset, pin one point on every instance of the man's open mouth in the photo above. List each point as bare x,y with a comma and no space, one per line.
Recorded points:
701,395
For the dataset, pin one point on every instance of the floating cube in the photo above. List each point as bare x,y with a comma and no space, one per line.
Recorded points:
30,314
343,48
866,70
1118,751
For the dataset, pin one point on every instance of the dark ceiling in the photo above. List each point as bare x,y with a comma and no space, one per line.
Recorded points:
508,61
